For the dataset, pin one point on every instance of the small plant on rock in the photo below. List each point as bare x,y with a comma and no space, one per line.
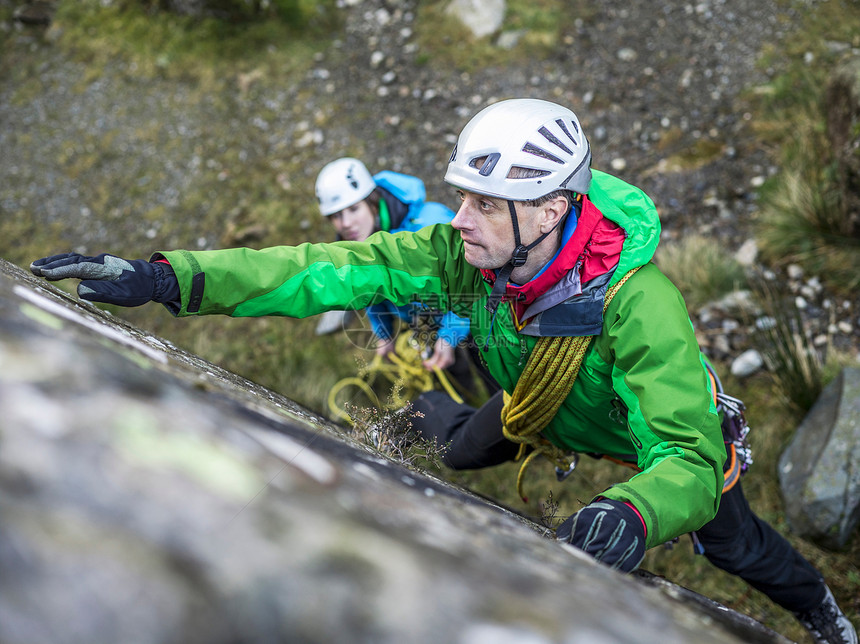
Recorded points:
392,434
549,514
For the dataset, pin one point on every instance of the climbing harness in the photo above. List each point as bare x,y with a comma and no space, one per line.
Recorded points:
402,369
544,384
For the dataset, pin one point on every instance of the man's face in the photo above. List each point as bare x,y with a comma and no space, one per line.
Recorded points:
485,226
355,222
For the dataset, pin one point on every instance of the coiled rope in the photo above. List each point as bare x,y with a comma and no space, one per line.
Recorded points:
404,371
543,386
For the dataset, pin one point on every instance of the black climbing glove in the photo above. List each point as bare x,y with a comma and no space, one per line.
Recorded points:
610,531
111,279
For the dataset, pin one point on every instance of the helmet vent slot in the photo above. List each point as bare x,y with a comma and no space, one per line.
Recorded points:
531,148
519,172
563,126
485,165
552,138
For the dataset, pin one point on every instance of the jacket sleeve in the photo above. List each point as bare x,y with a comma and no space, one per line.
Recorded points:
430,213
659,375
299,281
380,317
453,329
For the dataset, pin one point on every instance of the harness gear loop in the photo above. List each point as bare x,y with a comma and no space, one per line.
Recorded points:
543,386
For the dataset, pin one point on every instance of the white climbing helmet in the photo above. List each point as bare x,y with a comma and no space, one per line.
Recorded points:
342,183
533,134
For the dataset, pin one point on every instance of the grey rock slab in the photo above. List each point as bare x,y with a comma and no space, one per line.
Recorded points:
148,496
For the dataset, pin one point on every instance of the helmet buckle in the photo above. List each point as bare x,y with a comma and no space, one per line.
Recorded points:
519,256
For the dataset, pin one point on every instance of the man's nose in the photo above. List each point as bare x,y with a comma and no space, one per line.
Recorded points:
461,219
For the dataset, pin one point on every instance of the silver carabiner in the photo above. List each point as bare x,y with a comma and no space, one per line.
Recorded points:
562,474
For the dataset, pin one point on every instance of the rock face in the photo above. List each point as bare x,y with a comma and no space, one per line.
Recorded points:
819,472
148,496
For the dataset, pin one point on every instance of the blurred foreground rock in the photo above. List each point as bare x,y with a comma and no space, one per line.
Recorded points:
819,472
148,496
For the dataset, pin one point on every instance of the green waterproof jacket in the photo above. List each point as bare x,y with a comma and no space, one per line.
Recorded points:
642,393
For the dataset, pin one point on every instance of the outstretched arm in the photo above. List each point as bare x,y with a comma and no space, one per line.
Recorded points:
295,281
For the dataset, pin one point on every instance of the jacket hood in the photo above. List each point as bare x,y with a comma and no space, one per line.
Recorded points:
633,210
617,229
399,192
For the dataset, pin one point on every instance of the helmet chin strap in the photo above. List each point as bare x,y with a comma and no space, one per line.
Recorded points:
518,258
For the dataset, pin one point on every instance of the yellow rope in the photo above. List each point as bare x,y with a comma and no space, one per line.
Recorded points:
403,369
353,381
541,389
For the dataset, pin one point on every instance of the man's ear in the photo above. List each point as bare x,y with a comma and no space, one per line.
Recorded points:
553,212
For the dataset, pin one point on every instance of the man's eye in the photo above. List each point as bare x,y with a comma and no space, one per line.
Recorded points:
486,205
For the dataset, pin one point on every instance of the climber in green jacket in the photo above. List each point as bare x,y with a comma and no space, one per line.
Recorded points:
591,343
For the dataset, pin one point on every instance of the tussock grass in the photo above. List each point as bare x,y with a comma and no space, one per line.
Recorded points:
701,269
795,363
803,221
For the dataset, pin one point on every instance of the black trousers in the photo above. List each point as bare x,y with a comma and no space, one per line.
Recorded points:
736,540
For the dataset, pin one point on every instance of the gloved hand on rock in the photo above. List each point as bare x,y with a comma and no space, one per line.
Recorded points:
610,531
111,279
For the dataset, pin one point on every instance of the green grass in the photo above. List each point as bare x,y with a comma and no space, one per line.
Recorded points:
202,49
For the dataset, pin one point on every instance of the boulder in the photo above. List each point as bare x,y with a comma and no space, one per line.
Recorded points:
481,17
149,496
819,472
